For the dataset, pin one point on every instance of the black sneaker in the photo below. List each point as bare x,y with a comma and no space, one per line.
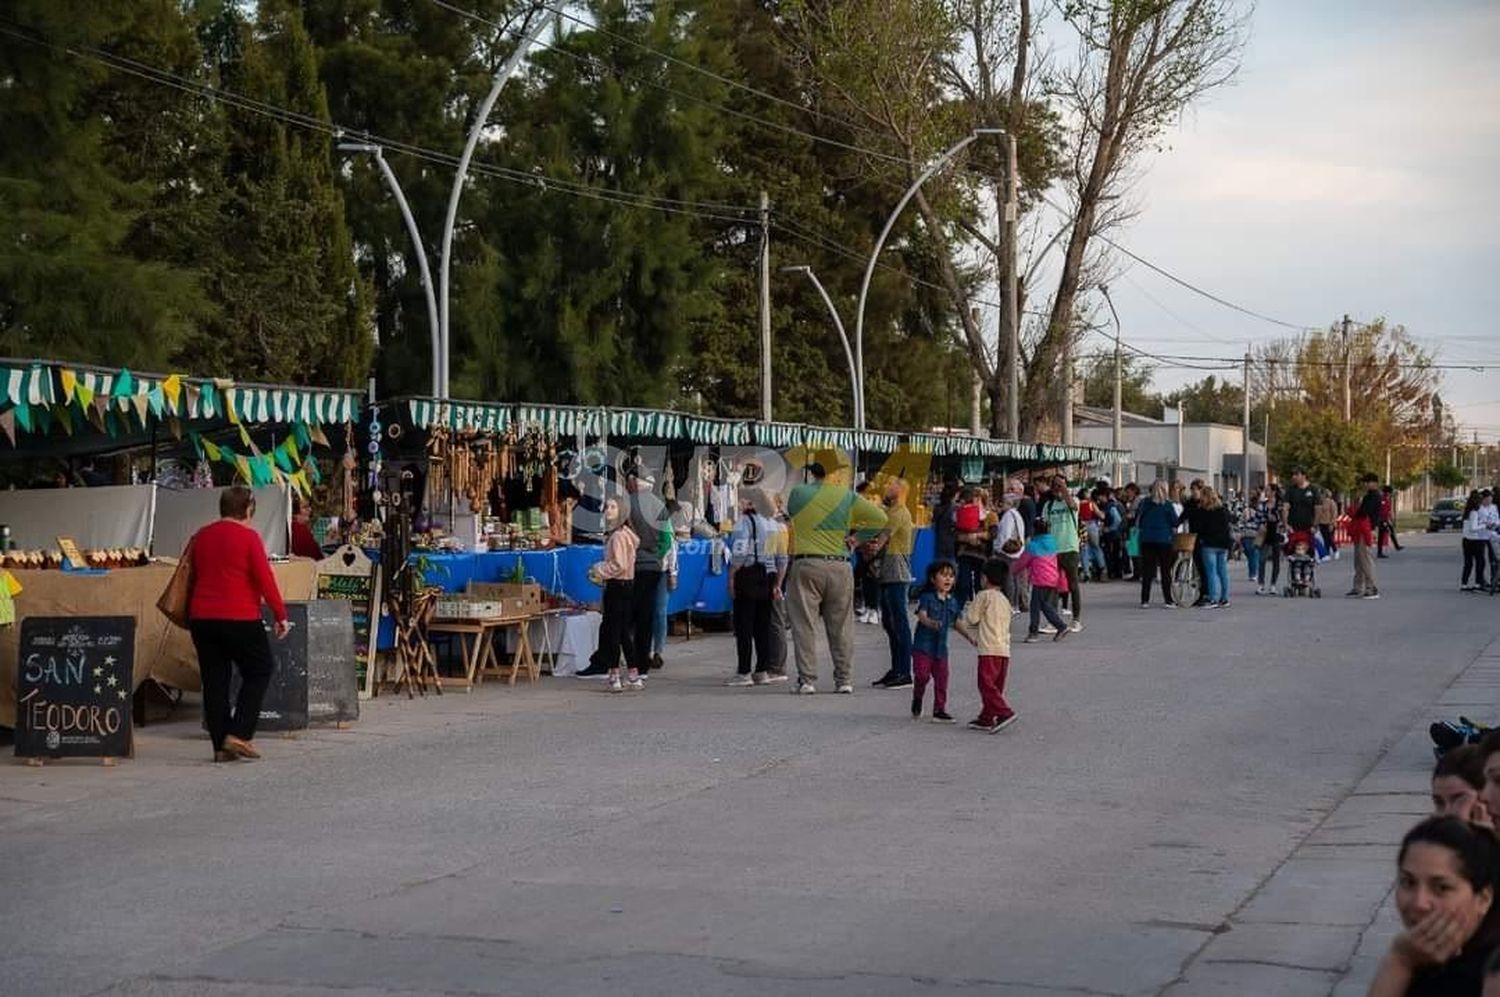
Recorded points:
941,717
916,709
895,682
1004,722
656,663
592,672
880,683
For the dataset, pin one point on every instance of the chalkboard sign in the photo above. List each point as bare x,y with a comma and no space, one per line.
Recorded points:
74,680
314,677
349,575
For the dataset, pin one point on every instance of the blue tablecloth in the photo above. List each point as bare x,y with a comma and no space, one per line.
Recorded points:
565,570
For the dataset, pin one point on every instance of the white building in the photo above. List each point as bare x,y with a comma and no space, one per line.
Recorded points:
1171,449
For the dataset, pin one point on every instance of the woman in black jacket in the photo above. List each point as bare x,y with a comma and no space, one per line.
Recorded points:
1209,519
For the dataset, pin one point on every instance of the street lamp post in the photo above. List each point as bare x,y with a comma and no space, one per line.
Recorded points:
417,247
1116,432
856,389
480,118
864,288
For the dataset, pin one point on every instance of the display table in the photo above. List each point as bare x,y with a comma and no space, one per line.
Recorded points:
162,652
477,639
566,638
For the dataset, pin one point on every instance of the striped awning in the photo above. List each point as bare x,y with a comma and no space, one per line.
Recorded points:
662,424
645,423
715,432
558,420
425,413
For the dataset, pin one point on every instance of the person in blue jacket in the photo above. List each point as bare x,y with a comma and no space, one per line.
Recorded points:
1156,521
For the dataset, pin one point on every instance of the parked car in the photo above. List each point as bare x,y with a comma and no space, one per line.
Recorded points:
1446,514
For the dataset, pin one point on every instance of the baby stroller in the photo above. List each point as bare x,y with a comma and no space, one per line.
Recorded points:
1301,567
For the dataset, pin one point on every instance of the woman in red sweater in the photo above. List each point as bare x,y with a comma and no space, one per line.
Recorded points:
231,577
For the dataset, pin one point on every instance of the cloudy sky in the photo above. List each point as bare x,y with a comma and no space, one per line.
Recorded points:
1352,168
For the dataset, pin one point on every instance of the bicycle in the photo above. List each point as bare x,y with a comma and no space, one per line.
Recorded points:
1186,586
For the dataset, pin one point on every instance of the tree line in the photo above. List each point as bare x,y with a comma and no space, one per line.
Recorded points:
171,194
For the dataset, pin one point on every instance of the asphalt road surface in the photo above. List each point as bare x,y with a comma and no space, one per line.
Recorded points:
695,839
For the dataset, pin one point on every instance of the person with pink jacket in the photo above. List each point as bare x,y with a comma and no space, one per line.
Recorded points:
1048,582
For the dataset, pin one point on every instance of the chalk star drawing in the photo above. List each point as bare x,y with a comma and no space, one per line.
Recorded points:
109,659
121,694
112,681
98,689
98,672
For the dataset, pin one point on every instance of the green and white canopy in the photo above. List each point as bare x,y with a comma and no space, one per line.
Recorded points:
631,424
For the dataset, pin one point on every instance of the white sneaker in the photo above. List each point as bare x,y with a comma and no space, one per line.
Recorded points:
1047,628
636,684
846,690
772,678
614,684
739,681
1075,627
804,689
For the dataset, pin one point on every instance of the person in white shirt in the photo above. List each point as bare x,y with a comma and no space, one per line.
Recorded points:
1481,525
1010,540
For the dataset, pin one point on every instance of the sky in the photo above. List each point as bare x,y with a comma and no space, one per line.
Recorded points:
1352,167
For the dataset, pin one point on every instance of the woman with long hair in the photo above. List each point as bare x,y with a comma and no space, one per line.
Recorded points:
1155,520
1272,528
1209,520
1476,542
231,580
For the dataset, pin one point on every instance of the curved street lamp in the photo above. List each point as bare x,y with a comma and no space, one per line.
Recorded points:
856,389
418,249
864,289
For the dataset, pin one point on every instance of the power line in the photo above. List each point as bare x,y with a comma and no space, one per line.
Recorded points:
624,198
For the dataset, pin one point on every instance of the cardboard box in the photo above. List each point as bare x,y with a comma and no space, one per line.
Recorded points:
527,595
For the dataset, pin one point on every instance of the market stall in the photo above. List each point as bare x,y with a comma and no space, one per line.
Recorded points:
112,470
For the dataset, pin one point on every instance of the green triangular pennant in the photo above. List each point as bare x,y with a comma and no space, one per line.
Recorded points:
124,385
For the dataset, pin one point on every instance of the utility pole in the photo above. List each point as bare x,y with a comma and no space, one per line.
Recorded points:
1245,429
1010,294
1347,370
975,404
765,307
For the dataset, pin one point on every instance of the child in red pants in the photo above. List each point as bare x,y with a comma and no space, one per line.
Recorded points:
986,624
937,611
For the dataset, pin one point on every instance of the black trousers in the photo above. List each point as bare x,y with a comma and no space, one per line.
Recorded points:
752,630
1387,530
223,645
614,625
642,620
1156,559
1476,556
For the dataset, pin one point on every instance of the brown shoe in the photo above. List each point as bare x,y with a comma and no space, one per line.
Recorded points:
240,748
225,756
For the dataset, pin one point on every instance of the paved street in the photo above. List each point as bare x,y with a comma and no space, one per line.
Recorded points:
1146,823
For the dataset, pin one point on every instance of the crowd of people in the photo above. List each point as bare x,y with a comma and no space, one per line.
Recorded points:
828,557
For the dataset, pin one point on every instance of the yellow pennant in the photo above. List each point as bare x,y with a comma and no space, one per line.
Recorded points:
172,388
69,383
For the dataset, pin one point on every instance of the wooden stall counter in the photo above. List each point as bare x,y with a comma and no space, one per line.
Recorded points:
162,651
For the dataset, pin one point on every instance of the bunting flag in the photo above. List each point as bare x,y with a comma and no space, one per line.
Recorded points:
212,452
65,419
175,424
43,418
316,436
69,383
156,398
244,469
23,416
124,385
172,388
140,403
85,396
8,426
